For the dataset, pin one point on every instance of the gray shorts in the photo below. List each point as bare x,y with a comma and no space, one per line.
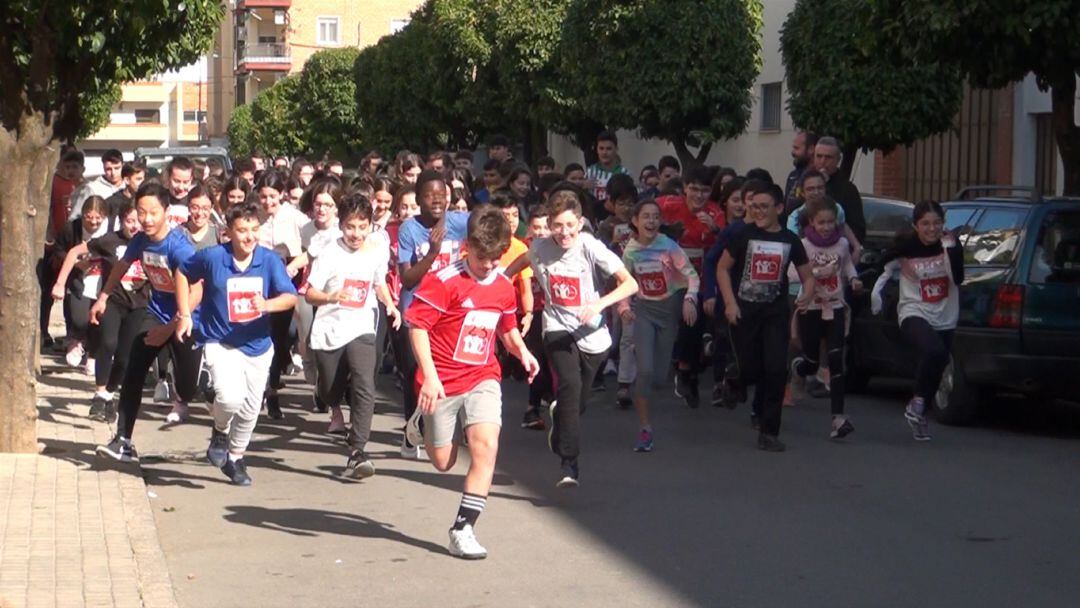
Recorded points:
481,404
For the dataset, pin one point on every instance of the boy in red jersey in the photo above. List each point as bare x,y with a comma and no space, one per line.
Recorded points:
454,317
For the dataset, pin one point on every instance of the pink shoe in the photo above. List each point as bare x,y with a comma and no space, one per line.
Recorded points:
337,422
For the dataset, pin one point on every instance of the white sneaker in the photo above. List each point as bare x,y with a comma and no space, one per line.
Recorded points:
413,434
179,413
74,355
463,544
412,452
162,394
89,367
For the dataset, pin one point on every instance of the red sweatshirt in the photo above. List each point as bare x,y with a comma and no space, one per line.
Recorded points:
697,237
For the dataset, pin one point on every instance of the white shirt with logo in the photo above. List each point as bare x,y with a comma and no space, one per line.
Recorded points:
357,274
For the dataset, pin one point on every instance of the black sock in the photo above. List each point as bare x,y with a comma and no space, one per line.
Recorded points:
472,505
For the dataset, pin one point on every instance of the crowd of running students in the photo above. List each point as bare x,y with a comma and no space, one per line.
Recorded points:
229,283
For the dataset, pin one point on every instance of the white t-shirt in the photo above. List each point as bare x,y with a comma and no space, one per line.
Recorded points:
281,233
568,278
358,272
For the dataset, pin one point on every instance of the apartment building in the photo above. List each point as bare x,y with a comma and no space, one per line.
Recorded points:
261,41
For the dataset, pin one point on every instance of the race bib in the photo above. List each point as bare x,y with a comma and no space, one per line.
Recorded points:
241,293
92,278
766,261
476,337
565,291
651,278
356,292
176,215
156,267
934,290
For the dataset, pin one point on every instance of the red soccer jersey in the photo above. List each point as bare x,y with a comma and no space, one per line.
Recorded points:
697,237
463,316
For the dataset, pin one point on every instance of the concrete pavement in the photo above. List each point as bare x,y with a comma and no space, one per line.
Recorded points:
978,517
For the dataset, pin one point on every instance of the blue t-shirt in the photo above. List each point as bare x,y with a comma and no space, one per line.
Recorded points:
159,260
413,245
228,315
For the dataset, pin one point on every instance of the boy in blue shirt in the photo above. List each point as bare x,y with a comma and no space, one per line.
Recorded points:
241,284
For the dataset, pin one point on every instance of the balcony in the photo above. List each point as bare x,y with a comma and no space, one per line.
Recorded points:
246,4
263,57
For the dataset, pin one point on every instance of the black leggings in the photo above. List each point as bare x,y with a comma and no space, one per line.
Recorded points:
541,387
117,329
572,372
77,314
689,340
933,347
761,348
812,328
186,357
280,335
405,360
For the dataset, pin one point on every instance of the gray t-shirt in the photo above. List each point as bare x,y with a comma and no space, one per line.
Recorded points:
568,278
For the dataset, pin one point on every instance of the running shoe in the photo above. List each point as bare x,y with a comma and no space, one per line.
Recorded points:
98,405
74,355
841,427
686,388
463,544
796,380
551,429
569,475
273,407
89,367
769,443
162,394
408,450
218,451
413,433
532,420
119,449
179,413
359,466
920,428
816,388
337,422
236,471
622,396
644,442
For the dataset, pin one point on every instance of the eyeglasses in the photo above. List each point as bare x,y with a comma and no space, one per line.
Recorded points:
325,205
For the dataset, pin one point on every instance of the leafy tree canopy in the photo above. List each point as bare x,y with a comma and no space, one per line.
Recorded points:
327,93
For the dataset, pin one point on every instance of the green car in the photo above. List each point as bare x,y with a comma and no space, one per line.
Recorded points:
1019,327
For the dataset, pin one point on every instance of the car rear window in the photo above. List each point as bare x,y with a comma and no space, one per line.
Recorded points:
887,219
994,238
1057,252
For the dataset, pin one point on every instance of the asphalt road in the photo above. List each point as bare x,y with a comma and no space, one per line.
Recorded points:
986,516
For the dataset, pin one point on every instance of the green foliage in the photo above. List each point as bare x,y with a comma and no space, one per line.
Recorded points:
327,98
842,82
993,42
97,108
241,132
278,124
674,71
53,53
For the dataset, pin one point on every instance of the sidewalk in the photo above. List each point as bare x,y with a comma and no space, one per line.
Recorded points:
76,530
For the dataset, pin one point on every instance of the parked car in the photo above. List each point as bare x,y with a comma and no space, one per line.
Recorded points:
1019,325
157,158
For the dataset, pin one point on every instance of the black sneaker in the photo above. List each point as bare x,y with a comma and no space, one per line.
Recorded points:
358,466
118,449
109,415
236,471
623,398
98,405
841,429
532,420
718,395
569,475
218,452
686,387
273,407
769,443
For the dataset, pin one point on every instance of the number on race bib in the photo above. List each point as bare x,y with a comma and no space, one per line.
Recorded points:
241,293
476,337
565,291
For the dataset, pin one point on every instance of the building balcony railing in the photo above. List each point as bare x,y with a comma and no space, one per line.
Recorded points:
273,56
246,4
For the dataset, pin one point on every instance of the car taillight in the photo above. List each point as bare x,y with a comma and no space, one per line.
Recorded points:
1008,306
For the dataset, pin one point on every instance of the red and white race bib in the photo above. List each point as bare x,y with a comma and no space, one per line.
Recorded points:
445,257
565,291
476,337
651,278
934,290
156,267
829,284
176,215
241,292
356,292
766,261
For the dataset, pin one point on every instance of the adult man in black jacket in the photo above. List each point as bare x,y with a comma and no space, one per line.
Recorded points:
827,158
802,155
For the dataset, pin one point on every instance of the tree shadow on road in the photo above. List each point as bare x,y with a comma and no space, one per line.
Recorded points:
313,522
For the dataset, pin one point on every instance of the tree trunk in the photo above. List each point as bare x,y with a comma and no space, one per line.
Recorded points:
687,158
847,162
1066,132
24,213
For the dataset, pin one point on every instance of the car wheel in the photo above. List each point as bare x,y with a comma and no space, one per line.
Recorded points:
956,401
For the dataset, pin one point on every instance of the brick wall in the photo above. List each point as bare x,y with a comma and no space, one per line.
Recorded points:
889,173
